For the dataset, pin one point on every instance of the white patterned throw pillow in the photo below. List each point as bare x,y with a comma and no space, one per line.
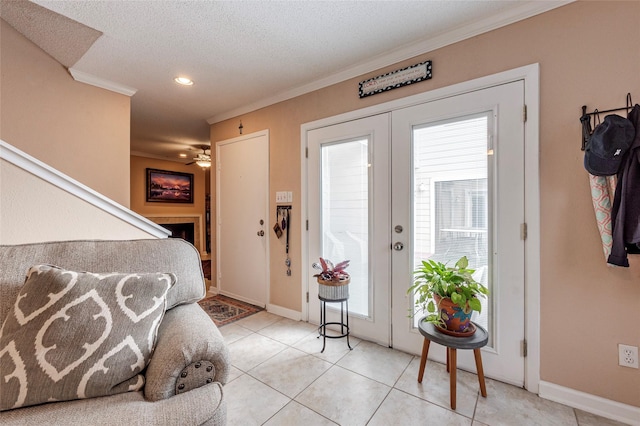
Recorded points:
74,335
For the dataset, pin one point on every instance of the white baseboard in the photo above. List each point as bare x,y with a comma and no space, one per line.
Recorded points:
284,312
213,290
590,403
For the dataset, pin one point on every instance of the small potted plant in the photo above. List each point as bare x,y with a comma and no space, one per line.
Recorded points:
448,295
333,281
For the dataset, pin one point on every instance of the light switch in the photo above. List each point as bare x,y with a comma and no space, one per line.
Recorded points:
281,197
284,197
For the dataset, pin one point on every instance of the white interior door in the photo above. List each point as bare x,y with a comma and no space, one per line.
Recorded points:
349,219
458,189
242,183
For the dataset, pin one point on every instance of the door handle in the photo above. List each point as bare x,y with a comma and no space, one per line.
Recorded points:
398,246
261,233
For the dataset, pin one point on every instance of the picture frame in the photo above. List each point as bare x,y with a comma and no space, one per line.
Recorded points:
165,186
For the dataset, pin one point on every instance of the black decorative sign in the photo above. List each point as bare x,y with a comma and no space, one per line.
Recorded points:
395,79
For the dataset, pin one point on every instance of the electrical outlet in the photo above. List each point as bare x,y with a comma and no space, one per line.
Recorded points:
628,356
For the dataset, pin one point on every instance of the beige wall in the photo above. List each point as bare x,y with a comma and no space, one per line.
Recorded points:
139,204
81,130
588,54
32,210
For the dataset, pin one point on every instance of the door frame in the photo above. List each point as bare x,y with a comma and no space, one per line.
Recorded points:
530,74
267,271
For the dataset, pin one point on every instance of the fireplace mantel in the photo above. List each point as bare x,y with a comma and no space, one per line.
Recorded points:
197,226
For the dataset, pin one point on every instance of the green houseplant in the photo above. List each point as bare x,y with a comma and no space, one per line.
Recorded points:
448,294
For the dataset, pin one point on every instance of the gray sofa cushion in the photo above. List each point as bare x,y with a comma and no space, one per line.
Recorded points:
166,255
74,335
201,406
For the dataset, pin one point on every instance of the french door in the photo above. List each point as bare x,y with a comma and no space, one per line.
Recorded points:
458,190
439,180
349,218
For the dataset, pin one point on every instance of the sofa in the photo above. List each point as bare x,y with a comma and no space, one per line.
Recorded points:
181,381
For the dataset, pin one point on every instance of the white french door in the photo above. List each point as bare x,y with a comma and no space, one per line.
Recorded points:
349,219
438,180
458,190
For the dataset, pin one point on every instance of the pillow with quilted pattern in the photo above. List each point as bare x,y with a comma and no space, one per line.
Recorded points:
74,335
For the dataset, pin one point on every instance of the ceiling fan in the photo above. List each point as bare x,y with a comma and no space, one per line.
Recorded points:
202,159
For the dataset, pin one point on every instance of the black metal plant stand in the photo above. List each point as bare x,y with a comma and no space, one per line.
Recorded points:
344,326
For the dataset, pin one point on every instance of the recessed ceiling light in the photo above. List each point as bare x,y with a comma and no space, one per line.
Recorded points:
184,81
183,155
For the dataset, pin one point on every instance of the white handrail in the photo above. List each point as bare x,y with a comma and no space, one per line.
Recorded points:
47,173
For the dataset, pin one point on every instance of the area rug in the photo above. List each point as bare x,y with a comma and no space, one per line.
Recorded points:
224,310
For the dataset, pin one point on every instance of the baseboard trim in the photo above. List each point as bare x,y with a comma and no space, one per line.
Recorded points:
213,291
590,403
284,312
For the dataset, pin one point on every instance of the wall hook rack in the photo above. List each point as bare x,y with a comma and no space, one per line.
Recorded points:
285,213
279,209
585,119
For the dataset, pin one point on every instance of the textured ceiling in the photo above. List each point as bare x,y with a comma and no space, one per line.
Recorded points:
244,55
63,38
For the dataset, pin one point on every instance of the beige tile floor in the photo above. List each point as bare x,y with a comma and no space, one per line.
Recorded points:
279,377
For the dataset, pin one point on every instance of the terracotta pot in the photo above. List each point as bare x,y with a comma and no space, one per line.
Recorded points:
455,318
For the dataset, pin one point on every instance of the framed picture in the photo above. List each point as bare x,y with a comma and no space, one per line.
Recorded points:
165,186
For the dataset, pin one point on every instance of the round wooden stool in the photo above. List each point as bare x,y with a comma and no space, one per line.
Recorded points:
452,343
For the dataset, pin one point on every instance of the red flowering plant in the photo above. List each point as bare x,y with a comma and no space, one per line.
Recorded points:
329,272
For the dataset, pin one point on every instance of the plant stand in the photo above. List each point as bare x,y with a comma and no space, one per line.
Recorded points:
332,292
475,342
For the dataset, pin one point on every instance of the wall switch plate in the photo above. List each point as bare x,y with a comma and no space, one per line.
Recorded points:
281,197
628,356
284,197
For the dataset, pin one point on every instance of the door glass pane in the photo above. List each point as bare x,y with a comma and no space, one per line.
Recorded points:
345,215
451,198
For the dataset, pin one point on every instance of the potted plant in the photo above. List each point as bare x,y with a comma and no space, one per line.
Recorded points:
333,281
448,294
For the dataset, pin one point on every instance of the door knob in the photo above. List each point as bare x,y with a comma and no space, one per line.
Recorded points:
261,233
398,246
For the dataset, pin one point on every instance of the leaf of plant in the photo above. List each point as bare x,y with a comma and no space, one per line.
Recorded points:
324,265
456,298
341,266
475,304
463,262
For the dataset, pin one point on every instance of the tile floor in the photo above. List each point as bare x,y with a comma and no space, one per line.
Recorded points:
279,377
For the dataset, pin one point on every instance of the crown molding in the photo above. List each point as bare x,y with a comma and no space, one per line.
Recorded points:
92,80
54,177
409,51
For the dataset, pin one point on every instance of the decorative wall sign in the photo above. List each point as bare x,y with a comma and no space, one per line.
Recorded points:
395,79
